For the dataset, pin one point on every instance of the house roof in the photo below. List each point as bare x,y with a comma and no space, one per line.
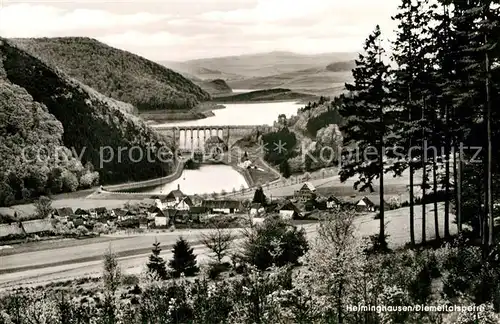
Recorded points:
175,194
64,211
120,212
101,210
222,204
334,199
11,229
308,186
187,201
37,226
366,202
80,211
288,205
157,210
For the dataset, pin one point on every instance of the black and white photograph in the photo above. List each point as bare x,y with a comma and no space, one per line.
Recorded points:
249,162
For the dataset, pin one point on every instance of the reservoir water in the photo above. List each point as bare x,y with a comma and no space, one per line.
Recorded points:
244,114
206,180
210,178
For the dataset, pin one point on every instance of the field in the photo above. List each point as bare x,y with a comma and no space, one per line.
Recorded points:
331,185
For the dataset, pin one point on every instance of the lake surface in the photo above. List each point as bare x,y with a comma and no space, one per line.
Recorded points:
262,113
206,179
244,90
210,178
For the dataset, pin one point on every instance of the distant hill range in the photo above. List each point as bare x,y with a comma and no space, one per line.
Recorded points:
42,107
115,73
315,74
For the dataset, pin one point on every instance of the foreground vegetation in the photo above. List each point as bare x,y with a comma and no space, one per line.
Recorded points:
337,271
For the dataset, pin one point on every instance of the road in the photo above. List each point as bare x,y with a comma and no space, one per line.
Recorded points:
41,267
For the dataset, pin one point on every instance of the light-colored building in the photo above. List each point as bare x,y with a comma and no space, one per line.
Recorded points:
223,206
173,198
333,203
184,204
256,209
288,210
365,204
306,193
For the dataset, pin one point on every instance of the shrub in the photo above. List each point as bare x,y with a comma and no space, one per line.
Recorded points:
215,269
130,280
275,241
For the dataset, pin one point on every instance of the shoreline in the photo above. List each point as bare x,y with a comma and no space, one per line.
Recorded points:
207,108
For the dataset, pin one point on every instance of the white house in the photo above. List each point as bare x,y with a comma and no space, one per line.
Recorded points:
365,204
173,198
288,210
223,206
332,203
162,217
184,204
257,209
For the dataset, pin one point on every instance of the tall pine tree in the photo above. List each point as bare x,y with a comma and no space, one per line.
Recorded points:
184,260
156,264
413,97
366,127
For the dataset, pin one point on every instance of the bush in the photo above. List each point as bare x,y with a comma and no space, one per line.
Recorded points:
215,269
130,280
82,230
274,242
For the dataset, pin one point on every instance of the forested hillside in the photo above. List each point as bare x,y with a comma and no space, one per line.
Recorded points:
26,126
54,110
215,87
115,73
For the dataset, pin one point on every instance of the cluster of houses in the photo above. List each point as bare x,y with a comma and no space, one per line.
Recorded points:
311,199
26,228
177,207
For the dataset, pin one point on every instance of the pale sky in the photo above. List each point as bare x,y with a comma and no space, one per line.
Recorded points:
189,29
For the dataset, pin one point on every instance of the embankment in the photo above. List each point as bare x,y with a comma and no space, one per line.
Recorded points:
141,185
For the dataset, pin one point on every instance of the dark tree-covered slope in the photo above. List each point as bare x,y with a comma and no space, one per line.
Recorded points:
30,137
93,125
115,73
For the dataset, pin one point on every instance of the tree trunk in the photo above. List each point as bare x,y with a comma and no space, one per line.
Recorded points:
382,205
458,188
489,195
447,177
424,177
410,157
435,189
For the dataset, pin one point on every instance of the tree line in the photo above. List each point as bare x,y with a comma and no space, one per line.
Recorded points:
438,88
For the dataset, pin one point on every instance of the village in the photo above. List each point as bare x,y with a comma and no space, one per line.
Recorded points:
177,210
